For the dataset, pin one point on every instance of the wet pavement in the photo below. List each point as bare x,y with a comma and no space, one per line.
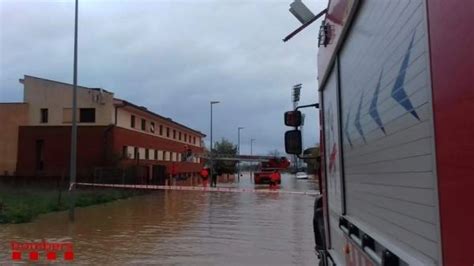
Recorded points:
183,228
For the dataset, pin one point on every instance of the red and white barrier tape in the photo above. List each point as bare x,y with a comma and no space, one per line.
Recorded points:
196,188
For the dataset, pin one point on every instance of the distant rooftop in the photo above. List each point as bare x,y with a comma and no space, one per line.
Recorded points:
118,101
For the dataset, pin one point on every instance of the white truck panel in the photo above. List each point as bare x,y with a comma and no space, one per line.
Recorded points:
387,132
333,144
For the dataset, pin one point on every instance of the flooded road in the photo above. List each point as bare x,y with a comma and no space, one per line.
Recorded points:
183,228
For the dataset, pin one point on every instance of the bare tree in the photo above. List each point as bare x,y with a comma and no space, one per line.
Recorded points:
275,153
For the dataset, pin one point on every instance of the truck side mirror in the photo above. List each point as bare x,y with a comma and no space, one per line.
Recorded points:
293,142
293,118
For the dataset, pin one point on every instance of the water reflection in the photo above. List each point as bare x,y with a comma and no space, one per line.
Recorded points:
184,227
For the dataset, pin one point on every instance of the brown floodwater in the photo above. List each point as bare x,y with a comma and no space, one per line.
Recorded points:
183,228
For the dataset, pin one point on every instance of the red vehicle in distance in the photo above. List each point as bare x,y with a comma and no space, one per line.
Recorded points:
270,171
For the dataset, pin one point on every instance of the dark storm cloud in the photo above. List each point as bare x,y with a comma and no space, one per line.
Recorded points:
173,57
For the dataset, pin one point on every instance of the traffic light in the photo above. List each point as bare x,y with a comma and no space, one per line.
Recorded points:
293,118
293,143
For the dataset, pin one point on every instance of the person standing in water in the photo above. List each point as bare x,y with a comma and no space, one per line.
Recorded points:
214,178
274,179
205,176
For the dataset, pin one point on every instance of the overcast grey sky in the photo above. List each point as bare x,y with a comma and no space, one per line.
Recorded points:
173,57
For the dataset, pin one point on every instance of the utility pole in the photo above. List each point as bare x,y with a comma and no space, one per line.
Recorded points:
238,152
72,167
251,146
251,153
212,154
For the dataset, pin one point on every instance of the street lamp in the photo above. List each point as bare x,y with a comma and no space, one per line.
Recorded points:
212,155
238,152
251,153
72,167
251,145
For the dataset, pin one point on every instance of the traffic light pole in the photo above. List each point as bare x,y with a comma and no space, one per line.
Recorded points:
296,99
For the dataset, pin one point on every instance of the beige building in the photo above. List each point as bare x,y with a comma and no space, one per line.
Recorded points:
134,133
50,104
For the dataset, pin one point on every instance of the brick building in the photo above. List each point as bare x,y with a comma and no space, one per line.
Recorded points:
114,135
12,115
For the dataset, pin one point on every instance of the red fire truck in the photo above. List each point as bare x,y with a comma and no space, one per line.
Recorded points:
269,169
396,101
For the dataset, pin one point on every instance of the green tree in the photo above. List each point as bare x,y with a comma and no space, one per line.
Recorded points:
227,149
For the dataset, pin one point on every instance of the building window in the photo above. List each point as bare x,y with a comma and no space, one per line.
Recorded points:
124,152
161,130
185,137
174,134
44,115
194,140
132,121
87,115
167,132
179,135
135,153
143,124
156,154
147,154
152,127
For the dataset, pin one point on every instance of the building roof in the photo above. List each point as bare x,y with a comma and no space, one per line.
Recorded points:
64,83
121,102
144,109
